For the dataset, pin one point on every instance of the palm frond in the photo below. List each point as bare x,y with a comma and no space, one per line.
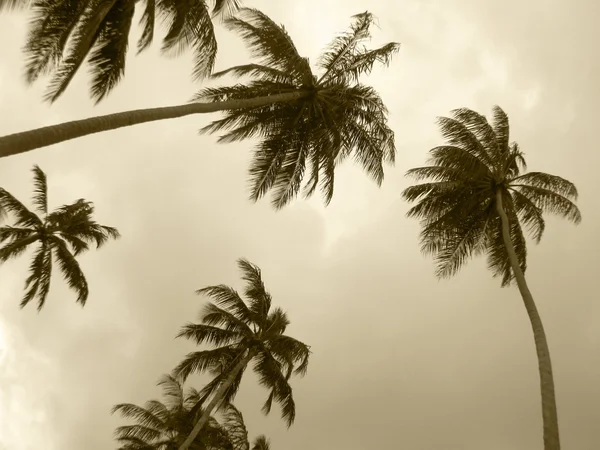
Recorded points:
70,269
189,25
553,183
258,71
271,44
478,125
142,416
25,218
172,391
529,214
271,377
107,58
40,192
285,348
501,129
261,443
138,432
214,361
11,233
228,301
84,33
343,48
52,23
38,281
276,323
212,315
458,134
16,247
147,23
200,334
259,298
235,428
550,202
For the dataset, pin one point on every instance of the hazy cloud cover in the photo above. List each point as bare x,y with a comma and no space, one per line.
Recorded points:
400,360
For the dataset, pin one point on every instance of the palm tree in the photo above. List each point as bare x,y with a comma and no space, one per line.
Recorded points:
242,333
64,33
162,426
63,234
302,120
475,202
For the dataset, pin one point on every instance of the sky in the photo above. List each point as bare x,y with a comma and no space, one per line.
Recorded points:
400,359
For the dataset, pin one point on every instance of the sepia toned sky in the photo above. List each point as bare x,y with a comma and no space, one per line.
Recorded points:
400,360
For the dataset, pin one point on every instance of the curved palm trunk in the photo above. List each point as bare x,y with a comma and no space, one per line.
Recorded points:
217,398
549,413
16,143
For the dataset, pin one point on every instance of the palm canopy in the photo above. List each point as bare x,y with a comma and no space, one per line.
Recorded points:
236,328
162,425
63,234
64,33
334,117
457,206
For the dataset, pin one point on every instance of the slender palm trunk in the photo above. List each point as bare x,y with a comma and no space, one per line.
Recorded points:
16,143
549,413
217,398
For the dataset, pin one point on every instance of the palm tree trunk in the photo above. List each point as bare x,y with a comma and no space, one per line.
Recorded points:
16,143
549,413
217,398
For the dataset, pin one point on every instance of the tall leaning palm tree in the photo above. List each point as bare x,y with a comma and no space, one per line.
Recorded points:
63,234
301,119
477,201
64,33
164,425
243,332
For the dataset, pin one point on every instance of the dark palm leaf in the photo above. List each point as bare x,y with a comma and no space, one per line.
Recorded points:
65,33
40,192
261,443
70,269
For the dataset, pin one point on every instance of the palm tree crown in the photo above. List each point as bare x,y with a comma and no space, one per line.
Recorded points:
457,207
161,426
335,116
64,33
253,331
64,233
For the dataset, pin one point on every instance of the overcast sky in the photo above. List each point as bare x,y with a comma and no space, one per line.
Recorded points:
401,360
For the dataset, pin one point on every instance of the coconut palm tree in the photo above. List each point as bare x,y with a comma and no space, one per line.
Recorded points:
63,234
162,426
243,332
301,119
64,33
477,201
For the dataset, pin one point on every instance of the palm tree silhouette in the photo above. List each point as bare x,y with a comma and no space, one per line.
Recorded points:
163,425
302,121
63,234
475,203
243,332
64,33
